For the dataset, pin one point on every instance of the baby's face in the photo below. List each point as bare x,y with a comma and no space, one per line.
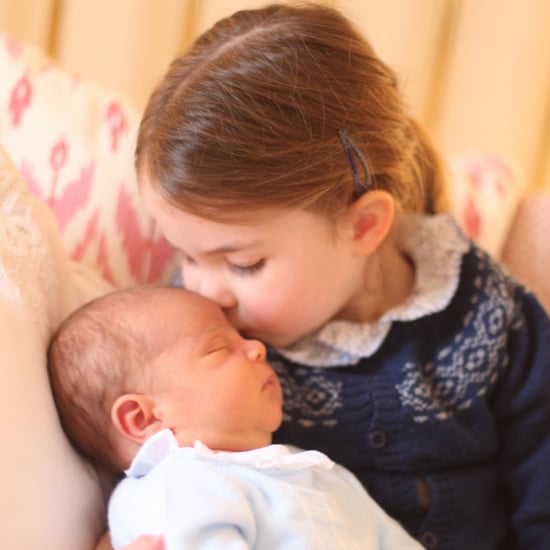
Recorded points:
210,384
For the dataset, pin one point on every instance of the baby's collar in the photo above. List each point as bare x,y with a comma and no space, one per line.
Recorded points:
273,457
435,245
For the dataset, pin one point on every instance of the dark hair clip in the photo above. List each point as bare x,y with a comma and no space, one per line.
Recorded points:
350,148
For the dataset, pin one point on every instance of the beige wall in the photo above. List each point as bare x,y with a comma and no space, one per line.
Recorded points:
476,72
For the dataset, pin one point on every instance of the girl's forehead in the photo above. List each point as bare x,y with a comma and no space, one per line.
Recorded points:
253,216
268,230
246,223
257,229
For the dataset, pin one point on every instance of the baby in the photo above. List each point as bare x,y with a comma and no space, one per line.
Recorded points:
155,381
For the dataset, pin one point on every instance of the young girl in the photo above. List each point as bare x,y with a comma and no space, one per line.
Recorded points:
277,156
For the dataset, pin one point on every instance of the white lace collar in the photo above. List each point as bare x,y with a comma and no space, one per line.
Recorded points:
273,457
435,244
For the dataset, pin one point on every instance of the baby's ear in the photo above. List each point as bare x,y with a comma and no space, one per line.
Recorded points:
133,416
371,217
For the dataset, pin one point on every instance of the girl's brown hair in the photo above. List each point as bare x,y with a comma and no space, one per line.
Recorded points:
279,107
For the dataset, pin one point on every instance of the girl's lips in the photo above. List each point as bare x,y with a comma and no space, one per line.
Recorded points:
245,333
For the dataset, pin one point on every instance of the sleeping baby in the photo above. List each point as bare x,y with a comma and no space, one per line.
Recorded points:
154,381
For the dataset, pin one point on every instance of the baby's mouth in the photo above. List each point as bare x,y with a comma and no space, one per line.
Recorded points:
271,382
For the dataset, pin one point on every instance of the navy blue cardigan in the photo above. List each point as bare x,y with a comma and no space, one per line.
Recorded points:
459,399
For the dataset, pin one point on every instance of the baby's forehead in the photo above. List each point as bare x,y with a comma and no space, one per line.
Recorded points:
182,313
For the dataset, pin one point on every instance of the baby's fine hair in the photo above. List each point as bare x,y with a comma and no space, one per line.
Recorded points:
96,355
285,106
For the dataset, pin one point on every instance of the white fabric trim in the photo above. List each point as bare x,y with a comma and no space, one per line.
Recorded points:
435,245
278,457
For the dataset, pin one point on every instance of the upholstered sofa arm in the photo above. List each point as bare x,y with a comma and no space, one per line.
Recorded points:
68,192
526,252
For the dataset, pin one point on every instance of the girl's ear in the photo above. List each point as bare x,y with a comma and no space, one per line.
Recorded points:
133,416
371,217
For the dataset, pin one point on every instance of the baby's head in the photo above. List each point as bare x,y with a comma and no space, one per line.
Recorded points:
140,360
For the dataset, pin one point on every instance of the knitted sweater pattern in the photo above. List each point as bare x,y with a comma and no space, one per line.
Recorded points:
451,390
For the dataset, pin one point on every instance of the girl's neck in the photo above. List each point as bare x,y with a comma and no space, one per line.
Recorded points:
388,282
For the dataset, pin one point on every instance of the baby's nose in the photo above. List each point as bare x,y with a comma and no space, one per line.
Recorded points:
255,350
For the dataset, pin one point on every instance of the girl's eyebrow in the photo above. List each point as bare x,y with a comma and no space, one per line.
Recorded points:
230,247
224,249
216,250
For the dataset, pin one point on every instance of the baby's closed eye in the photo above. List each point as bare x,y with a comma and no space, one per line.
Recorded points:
217,345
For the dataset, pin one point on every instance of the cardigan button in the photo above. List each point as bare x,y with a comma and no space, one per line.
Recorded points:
377,439
429,540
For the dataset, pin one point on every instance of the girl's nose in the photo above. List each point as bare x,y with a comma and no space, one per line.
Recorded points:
221,296
213,288
255,350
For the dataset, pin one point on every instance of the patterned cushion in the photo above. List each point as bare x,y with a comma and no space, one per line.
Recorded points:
485,193
73,143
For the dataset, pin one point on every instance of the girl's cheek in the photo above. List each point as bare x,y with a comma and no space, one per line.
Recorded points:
264,310
187,278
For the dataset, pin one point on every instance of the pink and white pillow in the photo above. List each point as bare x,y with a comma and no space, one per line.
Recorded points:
73,143
485,194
